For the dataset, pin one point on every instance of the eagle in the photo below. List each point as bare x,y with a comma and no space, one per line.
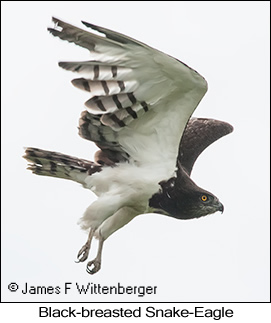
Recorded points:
138,113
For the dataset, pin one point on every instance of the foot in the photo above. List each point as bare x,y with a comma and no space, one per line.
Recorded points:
83,252
96,264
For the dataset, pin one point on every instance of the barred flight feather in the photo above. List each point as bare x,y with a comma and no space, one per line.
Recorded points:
108,104
104,87
113,35
91,128
123,117
96,70
78,36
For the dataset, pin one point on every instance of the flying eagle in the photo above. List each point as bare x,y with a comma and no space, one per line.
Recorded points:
138,114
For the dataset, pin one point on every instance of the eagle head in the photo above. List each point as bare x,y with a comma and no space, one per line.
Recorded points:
181,198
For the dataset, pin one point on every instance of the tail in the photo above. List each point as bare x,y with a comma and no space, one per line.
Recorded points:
50,163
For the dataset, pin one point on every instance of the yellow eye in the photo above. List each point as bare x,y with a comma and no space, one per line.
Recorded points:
204,198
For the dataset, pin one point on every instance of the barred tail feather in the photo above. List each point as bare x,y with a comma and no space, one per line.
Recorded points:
49,163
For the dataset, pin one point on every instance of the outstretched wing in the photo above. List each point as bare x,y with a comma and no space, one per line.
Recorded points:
198,135
140,99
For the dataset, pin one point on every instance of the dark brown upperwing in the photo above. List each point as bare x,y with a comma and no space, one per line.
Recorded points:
198,135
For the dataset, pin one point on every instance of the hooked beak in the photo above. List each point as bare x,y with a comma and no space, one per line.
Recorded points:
220,207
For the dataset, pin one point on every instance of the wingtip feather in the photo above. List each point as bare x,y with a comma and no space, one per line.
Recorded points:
87,24
230,127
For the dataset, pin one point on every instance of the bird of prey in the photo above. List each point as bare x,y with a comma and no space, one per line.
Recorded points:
139,115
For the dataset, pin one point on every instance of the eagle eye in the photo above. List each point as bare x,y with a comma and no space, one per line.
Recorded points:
204,198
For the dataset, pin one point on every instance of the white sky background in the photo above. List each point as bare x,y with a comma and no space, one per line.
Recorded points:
217,258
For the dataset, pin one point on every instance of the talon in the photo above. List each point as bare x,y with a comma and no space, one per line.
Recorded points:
83,253
96,267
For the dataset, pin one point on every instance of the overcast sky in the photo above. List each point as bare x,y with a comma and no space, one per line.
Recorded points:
216,258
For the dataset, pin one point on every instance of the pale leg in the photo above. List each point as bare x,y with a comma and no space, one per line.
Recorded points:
84,251
109,226
95,265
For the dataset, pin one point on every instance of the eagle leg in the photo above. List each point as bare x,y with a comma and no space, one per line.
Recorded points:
84,251
94,265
